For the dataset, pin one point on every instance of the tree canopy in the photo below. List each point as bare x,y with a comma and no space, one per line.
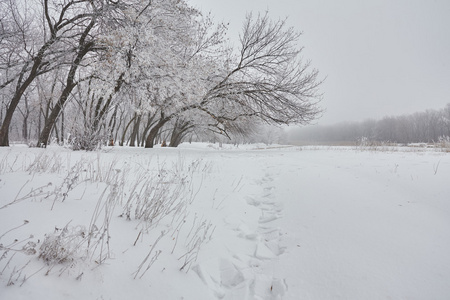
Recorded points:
140,72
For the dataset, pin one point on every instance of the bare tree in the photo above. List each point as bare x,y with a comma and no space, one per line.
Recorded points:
268,80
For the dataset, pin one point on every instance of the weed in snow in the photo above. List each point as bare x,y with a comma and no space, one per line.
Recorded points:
148,197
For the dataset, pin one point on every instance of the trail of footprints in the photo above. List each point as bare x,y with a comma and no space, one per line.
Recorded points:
268,246
245,277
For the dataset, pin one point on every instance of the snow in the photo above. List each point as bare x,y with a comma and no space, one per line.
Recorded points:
249,222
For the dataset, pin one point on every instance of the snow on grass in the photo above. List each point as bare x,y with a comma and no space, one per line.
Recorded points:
209,222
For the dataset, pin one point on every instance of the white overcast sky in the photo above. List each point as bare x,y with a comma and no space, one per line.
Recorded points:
380,57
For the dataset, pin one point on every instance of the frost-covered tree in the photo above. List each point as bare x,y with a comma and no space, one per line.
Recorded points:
52,35
20,60
140,70
93,18
160,60
266,80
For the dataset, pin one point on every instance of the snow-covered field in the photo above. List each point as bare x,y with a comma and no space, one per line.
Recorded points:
203,222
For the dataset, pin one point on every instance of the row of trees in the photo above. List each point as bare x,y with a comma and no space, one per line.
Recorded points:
136,72
421,127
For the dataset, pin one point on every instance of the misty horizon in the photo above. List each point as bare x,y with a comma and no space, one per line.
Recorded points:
378,57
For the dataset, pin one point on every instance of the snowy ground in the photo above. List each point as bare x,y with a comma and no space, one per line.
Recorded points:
240,223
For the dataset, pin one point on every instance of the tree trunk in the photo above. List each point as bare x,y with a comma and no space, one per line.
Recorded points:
62,127
175,139
25,128
179,131
150,140
134,133
55,130
50,121
125,131
100,112
112,125
84,48
147,128
20,89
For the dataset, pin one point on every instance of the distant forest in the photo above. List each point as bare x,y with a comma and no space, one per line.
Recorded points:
429,126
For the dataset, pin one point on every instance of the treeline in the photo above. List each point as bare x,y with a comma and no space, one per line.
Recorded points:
429,126
93,72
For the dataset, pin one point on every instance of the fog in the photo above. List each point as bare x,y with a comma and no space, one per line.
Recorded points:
378,58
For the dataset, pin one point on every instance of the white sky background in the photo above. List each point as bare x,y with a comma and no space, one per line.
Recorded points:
380,57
